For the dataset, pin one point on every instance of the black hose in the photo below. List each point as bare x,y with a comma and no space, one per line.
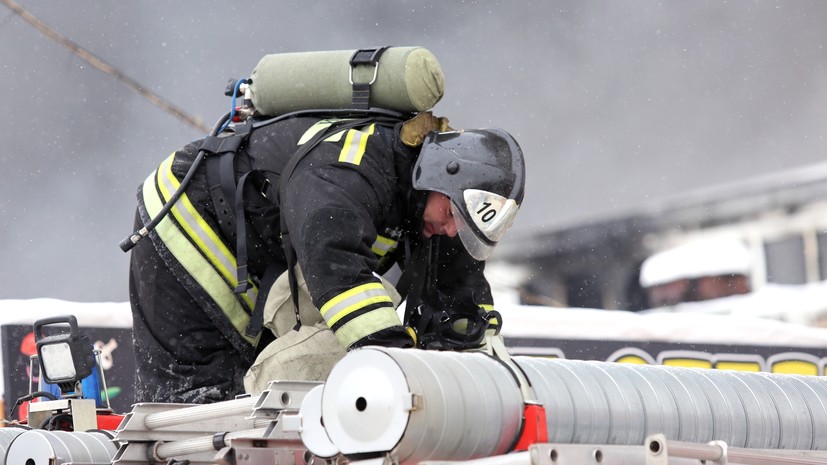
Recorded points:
130,242
27,397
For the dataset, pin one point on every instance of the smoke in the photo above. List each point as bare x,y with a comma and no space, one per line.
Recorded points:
614,103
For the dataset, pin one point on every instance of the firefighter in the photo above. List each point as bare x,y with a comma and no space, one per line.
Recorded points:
213,288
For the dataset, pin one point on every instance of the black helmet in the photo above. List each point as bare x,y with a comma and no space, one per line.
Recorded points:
483,173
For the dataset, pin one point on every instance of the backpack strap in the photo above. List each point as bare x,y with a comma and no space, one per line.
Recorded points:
273,271
221,152
222,191
360,97
289,252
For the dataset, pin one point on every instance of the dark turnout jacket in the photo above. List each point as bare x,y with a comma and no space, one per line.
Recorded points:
351,214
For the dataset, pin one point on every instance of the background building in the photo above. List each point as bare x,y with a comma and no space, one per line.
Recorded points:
780,218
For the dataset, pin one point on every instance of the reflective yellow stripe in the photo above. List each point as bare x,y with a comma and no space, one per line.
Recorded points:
355,144
204,272
383,245
355,299
369,323
200,232
318,127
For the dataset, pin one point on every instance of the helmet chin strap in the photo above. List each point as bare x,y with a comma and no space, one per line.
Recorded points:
418,199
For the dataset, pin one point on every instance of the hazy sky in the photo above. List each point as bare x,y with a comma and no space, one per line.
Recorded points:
615,103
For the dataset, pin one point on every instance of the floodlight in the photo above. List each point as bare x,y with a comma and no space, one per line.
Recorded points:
65,357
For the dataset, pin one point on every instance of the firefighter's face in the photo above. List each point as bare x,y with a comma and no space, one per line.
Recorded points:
437,216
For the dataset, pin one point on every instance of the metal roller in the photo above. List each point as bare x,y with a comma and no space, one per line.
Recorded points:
39,447
609,403
423,405
7,435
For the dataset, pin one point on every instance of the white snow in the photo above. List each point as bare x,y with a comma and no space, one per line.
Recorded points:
712,257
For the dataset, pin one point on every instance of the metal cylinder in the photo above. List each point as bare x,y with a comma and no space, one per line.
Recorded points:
39,447
7,435
423,405
610,403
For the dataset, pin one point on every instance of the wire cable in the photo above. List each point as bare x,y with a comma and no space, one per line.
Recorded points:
28,397
130,242
107,68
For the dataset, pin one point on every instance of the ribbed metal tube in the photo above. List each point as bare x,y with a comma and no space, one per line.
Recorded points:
7,435
39,447
424,405
611,403
197,413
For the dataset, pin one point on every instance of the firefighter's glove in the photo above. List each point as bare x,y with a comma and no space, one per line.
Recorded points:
414,130
492,322
492,331
395,336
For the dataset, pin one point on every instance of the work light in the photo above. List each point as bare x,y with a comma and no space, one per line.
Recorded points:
66,357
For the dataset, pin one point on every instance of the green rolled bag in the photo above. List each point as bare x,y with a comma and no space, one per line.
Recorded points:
408,79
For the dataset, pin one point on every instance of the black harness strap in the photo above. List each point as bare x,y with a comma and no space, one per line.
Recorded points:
241,237
273,271
360,98
289,251
241,225
222,144
412,281
221,174
221,198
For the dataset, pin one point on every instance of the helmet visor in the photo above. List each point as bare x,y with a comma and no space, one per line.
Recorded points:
482,220
478,248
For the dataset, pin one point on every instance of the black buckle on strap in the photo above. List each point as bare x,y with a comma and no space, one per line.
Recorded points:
367,56
361,91
227,143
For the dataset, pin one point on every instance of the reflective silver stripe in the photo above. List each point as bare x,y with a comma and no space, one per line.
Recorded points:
200,232
320,126
382,245
203,271
354,299
355,144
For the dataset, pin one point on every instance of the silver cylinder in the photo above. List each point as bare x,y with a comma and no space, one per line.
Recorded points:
7,435
39,447
422,405
610,403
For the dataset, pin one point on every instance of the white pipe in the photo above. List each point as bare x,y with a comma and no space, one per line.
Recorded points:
165,450
200,413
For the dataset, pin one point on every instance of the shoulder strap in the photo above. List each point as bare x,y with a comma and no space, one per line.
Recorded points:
289,252
221,174
221,185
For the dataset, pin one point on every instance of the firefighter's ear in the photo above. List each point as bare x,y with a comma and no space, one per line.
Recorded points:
414,130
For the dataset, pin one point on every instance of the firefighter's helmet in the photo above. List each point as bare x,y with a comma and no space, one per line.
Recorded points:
482,171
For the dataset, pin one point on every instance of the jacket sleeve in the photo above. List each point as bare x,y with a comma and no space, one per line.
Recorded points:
461,280
330,210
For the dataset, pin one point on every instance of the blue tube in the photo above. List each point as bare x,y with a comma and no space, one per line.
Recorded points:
90,387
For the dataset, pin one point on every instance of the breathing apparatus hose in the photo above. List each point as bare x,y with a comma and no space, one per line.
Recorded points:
130,242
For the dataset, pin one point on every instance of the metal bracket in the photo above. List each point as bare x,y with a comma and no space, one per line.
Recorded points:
83,412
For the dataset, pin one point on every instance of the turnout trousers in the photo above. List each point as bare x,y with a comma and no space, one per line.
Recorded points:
181,356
